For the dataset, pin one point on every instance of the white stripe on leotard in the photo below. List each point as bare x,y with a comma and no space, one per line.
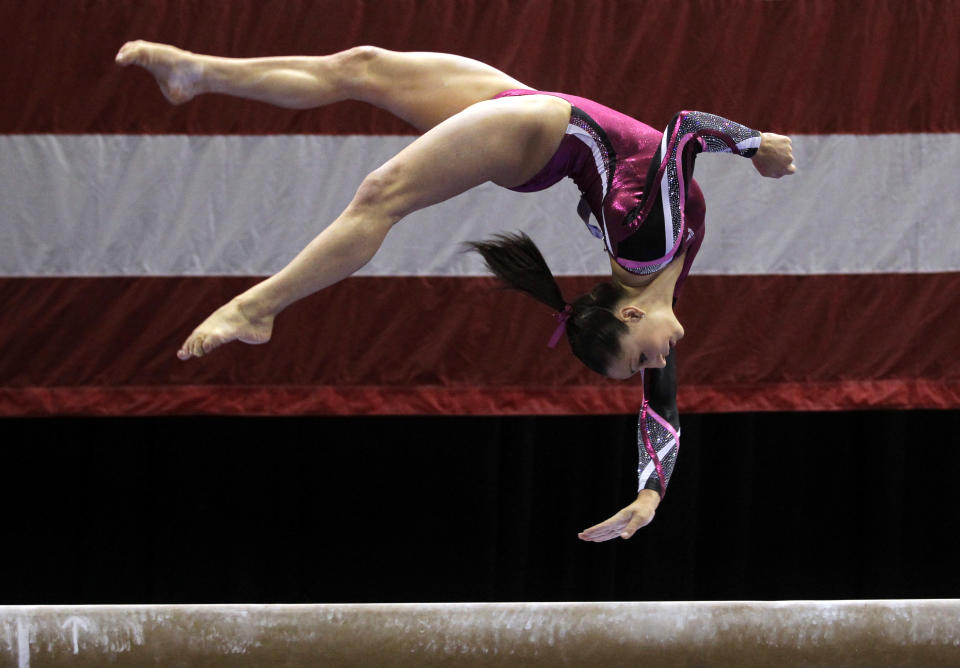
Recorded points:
651,465
748,143
665,199
582,135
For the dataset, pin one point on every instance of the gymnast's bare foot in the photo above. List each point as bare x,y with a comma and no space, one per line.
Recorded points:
178,72
227,323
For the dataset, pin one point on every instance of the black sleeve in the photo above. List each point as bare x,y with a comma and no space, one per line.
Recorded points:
658,428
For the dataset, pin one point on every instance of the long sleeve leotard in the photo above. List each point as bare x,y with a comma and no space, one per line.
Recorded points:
689,133
639,197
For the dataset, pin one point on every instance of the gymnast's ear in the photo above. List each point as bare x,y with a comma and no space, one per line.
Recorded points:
630,313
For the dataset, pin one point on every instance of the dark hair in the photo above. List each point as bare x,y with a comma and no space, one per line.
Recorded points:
593,330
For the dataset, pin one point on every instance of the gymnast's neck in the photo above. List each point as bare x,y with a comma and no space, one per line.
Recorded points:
655,288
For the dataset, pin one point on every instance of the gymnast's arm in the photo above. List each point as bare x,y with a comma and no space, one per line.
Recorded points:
658,426
772,154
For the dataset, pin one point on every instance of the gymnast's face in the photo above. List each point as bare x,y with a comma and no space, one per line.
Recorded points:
650,337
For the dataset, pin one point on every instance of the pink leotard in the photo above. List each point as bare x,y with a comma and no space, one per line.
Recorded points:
624,168
638,185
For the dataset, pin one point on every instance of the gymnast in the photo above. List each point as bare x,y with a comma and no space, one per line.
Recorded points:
480,125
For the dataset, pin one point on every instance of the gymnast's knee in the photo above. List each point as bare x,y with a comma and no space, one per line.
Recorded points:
380,197
356,66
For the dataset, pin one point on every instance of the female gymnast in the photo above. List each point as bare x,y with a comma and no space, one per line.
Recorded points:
481,125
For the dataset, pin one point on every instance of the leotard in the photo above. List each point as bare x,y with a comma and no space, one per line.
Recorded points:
637,183
623,167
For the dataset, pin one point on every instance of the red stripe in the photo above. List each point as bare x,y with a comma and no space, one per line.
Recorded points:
459,345
817,66
579,400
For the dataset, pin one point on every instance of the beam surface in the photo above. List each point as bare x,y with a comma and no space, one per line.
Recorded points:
701,634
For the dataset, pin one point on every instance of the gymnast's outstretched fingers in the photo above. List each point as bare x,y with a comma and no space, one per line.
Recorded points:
626,522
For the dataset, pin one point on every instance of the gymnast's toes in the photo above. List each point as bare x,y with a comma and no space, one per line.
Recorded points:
176,71
125,54
133,53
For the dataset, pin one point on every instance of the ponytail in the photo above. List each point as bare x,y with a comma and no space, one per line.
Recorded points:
519,264
593,329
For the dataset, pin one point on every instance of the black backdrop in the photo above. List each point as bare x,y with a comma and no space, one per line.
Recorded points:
762,506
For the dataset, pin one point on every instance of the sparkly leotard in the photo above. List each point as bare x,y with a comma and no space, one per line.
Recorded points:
624,168
638,185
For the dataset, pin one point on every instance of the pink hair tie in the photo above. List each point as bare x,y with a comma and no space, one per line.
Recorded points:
562,318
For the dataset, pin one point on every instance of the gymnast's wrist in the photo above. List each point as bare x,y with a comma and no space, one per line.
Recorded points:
762,148
649,496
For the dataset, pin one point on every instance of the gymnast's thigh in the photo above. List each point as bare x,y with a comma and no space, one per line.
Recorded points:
426,88
505,141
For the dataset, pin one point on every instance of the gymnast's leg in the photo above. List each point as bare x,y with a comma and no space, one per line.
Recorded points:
506,141
421,88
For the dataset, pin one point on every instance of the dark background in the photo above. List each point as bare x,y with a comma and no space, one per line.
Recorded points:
761,506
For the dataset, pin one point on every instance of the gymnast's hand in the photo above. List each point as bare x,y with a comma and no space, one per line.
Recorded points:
774,158
625,523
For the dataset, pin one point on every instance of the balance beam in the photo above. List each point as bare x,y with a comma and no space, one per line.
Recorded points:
790,633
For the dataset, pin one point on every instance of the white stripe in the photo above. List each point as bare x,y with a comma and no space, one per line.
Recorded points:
665,199
748,143
587,139
196,205
667,212
648,469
